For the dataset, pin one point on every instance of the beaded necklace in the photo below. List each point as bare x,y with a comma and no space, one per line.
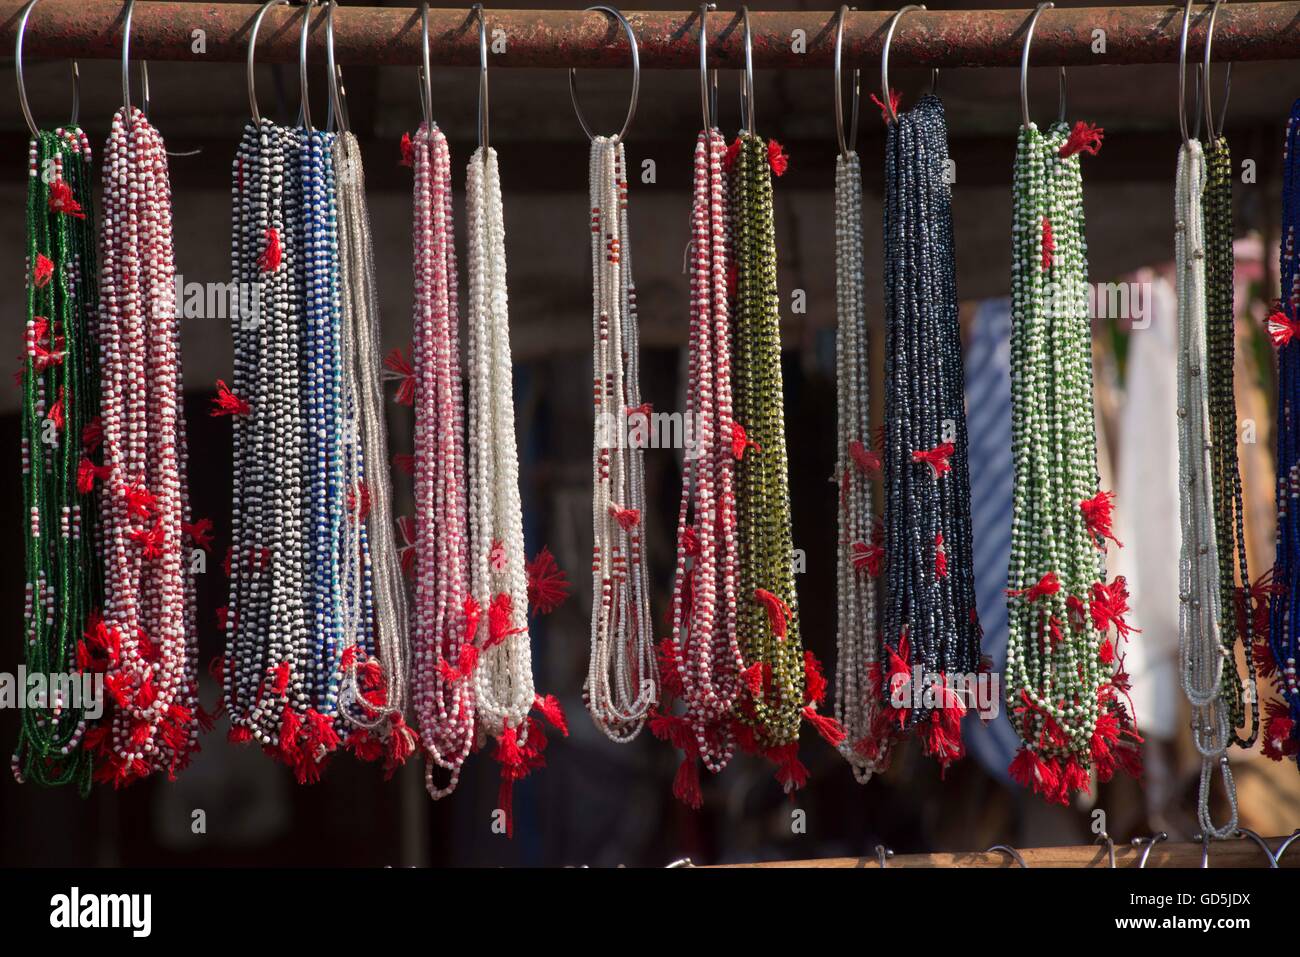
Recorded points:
858,704
1283,731
445,617
148,616
700,663
786,685
1066,693
1229,515
622,677
60,433
377,615
929,621
1200,648
503,677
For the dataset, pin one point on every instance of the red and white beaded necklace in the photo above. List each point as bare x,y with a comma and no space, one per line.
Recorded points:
148,598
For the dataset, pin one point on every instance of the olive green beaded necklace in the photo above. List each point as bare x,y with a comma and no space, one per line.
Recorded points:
781,693
58,419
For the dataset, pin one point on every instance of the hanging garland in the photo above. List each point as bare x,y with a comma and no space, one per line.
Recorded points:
1066,683
622,677
444,616
858,705
374,692
700,664
929,623
1200,649
147,629
61,432
503,675
1282,734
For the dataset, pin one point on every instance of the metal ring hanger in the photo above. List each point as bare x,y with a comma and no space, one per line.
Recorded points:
708,81
887,103
1011,852
304,95
1024,70
252,47
636,77
747,78
426,80
851,144
1211,133
477,10
126,69
338,97
22,88
1148,844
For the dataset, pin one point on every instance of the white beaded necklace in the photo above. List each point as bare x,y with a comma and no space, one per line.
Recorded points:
1200,649
503,680
622,677
857,668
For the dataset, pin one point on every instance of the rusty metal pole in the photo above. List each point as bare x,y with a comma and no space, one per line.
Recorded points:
1072,36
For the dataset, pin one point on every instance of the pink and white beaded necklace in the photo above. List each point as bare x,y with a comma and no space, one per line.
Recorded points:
148,597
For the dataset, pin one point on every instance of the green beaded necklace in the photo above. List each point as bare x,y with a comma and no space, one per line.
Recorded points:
785,685
1066,694
59,418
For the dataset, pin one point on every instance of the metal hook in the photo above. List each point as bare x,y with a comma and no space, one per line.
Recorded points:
747,78
1110,847
1205,849
477,10
884,60
338,97
708,97
1248,833
1024,70
846,146
252,47
22,88
636,77
304,96
1205,79
1282,848
126,60
1147,843
425,70
882,856
1011,852
1182,74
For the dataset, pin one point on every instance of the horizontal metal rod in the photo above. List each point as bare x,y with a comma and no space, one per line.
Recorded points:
165,30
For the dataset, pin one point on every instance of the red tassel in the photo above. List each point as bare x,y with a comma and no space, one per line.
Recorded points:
831,730
1281,329
92,435
227,403
508,753
200,532
549,708
62,201
400,370
670,673
272,253
1049,584
778,612
1030,770
140,502
408,151
88,472
1097,515
1084,138
499,620
729,157
42,271
753,678
150,540
937,458
899,674
894,99
290,727
940,557
868,558
686,783
280,679
627,518
790,771
398,745
814,679
777,158
238,734
1048,245
471,610
740,442
320,734
55,414
548,586
1109,605
868,462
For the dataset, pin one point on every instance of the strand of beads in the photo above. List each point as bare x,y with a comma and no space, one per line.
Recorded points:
445,618
857,636
147,615
930,626
622,676
503,679
59,433
375,583
1200,651
1065,691
780,695
1283,734
700,662
1229,515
